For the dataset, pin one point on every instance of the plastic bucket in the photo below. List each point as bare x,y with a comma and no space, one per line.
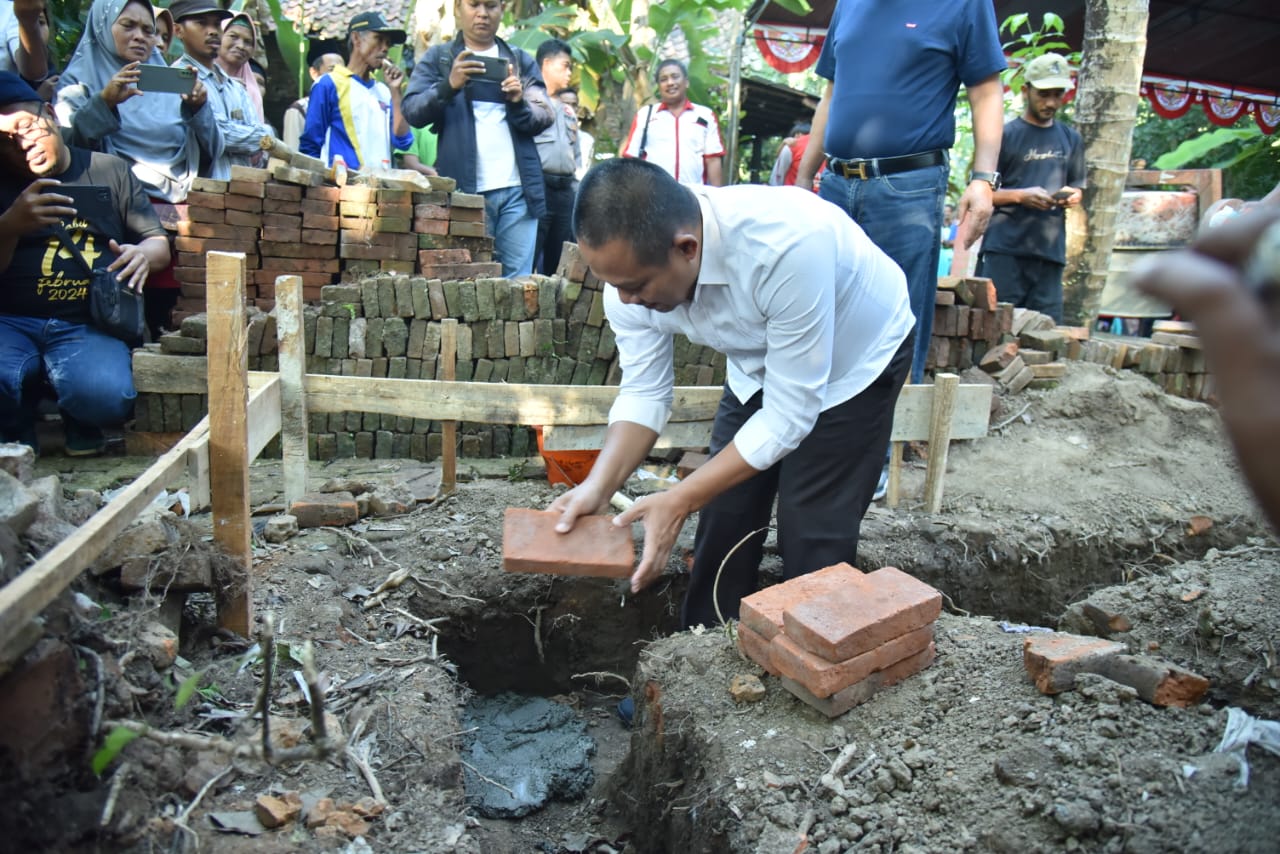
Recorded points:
568,467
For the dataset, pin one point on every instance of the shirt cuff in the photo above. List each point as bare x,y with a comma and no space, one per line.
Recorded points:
647,413
757,444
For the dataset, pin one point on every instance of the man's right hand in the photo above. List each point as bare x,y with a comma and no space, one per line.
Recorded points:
464,68
122,86
34,208
1037,198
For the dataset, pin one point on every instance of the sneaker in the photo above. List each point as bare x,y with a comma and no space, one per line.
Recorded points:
882,486
83,440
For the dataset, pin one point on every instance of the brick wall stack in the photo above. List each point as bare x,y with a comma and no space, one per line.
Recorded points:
967,322
539,329
290,220
836,636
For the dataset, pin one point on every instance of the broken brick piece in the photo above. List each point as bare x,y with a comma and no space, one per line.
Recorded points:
690,461
762,612
1156,681
859,692
595,546
1052,660
824,678
276,812
317,509
866,612
756,647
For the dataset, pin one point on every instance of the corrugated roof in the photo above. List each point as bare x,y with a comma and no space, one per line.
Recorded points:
329,19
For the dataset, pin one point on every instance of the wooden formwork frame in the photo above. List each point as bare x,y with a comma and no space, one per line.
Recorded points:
248,409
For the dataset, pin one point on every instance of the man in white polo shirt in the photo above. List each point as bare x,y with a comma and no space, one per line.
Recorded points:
680,136
816,324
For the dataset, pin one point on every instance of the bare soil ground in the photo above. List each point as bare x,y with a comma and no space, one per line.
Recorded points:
1088,490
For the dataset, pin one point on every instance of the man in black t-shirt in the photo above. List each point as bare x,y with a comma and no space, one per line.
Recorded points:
1042,164
45,331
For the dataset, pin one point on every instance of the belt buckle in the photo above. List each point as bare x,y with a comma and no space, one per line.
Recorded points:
851,170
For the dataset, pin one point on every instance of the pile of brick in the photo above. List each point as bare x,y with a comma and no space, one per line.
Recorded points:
836,636
967,322
290,220
540,329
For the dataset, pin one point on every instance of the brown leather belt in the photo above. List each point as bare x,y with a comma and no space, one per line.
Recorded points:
877,166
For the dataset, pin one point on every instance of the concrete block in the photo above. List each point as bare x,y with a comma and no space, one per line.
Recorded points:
595,546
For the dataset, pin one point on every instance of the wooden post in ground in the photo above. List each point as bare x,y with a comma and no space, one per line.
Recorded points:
229,433
293,399
944,404
448,371
893,490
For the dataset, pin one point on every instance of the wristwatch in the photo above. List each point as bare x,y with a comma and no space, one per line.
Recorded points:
992,178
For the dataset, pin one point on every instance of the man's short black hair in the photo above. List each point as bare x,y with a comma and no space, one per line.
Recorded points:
684,70
550,48
634,200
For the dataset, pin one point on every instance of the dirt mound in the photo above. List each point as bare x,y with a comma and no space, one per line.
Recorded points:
1102,487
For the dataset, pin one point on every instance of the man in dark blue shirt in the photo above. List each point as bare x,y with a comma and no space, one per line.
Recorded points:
1042,164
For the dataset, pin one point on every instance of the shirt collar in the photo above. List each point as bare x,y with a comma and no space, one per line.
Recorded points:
712,270
687,105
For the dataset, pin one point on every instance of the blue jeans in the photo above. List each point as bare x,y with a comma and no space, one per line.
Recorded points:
90,372
513,229
902,214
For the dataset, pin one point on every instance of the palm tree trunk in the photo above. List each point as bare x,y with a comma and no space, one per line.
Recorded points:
1115,44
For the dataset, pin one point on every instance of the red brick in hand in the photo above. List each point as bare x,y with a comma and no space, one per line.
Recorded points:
595,546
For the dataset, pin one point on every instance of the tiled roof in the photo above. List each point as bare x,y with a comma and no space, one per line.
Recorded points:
327,19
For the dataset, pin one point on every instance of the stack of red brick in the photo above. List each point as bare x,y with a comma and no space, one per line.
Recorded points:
967,322
837,636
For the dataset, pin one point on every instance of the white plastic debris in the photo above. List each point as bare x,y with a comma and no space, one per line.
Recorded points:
1021,628
1242,730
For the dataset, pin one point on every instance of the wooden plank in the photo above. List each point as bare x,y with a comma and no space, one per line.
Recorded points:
293,399
264,414
944,399
893,489
1177,327
27,595
447,372
590,437
198,470
1191,342
229,432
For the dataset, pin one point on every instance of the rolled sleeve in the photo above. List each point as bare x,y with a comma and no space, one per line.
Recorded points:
645,356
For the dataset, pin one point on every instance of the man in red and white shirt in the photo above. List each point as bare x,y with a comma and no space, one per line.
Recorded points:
680,136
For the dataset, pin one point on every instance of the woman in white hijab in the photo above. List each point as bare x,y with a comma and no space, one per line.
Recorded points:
160,134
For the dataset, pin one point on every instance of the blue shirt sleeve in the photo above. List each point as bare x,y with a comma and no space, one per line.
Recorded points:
320,110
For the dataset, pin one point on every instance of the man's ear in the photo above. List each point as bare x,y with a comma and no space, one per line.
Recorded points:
687,244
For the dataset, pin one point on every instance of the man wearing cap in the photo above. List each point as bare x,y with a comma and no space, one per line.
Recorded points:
45,331
1042,163
198,25
351,115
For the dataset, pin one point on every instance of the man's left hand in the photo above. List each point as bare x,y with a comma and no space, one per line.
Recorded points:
132,265
197,97
663,514
974,212
512,88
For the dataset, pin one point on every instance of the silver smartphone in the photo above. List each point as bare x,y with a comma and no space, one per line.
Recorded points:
496,68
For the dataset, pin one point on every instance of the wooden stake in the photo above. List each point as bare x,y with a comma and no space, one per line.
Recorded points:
944,403
893,491
448,372
229,433
293,399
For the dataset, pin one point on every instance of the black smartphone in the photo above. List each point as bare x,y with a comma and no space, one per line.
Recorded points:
1062,195
162,78
496,69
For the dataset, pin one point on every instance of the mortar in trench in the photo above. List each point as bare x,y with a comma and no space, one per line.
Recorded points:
544,636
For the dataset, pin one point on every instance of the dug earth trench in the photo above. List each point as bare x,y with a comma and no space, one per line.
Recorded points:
1099,496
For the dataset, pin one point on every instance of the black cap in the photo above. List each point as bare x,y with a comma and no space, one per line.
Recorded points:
373,22
15,90
189,8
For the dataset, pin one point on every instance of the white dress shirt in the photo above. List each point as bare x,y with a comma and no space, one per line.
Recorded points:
797,297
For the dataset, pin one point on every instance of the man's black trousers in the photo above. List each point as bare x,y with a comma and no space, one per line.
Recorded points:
823,488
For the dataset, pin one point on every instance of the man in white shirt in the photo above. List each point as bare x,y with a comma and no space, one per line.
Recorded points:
816,324
680,136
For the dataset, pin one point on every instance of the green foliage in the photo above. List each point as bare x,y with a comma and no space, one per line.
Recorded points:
111,747
1250,159
186,689
66,23
1022,47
